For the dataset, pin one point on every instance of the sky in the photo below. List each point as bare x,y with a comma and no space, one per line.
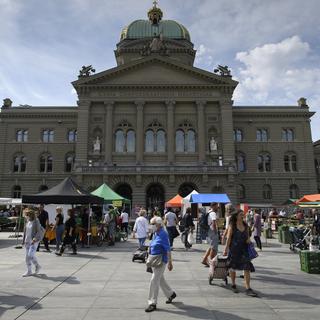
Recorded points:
271,46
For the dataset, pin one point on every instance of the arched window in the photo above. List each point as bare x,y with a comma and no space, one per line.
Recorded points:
131,141
43,188
120,141
290,162
161,141
186,188
264,163
16,192
287,135
46,163
317,165
22,135
241,162
179,141
241,192
47,135
237,135
19,163
267,192
191,141
294,192
72,135
69,162
149,141
262,135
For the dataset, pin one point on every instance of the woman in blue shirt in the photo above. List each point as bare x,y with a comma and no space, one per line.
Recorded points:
159,246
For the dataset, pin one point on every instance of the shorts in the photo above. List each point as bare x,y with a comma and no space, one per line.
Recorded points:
213,239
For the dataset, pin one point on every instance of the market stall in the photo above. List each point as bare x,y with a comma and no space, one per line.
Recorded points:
175,202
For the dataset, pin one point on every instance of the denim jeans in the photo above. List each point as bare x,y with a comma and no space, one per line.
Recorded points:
141,242
59,234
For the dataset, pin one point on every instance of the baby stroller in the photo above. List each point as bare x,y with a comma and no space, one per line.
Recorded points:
300,237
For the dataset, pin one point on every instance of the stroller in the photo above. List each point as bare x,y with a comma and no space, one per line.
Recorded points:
300,238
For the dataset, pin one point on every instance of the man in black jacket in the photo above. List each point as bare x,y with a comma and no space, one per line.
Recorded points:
43,217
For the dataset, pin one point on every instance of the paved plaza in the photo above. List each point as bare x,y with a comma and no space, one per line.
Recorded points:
103,283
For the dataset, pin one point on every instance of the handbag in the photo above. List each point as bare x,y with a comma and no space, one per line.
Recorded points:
154,261
190,238
252,251
176,233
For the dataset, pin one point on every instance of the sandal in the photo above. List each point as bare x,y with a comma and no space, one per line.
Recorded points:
151,307
251,293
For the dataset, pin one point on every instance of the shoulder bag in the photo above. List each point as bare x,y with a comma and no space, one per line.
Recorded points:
154,261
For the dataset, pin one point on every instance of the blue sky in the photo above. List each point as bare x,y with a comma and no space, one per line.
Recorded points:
272,46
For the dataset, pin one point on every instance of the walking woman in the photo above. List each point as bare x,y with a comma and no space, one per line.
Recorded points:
237,251
159,246
257,228
70,235
59,227
33,234
141,228
188,224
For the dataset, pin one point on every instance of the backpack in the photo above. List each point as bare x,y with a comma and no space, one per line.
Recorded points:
204,220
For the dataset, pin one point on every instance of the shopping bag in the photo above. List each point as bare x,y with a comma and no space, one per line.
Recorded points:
252,251
190,238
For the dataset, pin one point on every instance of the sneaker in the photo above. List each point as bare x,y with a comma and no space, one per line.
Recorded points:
170,299
48,250
151,307
251,293
58,254
38,267
234,289
27,274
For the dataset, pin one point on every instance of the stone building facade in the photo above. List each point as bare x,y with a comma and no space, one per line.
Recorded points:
317,162
154,126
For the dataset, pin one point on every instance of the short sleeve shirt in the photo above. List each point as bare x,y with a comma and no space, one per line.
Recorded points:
212,217
171,219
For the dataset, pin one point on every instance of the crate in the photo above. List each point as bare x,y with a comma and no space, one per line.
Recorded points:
310,261
286,236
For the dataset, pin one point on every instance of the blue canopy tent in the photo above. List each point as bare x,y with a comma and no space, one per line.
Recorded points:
210,197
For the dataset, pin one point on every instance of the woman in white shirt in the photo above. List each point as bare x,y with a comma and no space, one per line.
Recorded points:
141,228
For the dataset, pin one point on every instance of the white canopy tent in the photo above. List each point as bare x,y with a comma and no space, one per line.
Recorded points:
186,201
10,201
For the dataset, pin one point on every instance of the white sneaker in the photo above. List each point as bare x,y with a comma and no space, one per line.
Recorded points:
38,267
27,274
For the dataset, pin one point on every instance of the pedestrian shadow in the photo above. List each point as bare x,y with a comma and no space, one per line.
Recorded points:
260,270
68,280
292,297
11,301
285,281
195,312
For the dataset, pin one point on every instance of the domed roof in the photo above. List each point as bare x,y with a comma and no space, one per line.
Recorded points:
145,29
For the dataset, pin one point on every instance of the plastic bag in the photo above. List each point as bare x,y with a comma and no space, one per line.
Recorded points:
190,238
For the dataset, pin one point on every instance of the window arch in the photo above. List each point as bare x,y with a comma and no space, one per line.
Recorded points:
69,162
241,192
16,191
294,192
262,135
46,163
22,135
185,138
287,135
317,165
19,163
155,138
264,162
241,162
290,162
267,192
43,188
47,135
72,135
125,138
186,188
237,135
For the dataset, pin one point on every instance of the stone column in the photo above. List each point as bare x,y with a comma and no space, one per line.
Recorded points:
201,132
170,131
140,132
82,129
108,141
227,132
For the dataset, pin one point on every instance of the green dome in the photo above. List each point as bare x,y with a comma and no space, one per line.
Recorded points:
140,29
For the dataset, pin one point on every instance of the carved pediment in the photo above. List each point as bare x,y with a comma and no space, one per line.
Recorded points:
155,71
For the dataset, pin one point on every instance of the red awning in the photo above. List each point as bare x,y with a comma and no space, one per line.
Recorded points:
309,198
175,202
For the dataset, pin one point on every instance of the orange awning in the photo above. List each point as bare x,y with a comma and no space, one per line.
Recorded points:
175,202
309,198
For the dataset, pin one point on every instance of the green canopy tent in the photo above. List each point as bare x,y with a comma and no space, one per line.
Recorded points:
109,196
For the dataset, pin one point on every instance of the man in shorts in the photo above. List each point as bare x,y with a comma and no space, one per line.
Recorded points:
212,234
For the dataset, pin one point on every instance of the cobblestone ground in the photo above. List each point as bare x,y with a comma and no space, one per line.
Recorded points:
103,283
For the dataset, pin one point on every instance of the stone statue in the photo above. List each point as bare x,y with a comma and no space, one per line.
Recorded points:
86,71
97,145
213,144
223,71
156,45
7,103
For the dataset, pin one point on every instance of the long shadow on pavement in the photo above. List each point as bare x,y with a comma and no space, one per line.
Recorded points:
68,280
285,281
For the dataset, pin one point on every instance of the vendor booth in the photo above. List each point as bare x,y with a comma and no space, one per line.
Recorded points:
175,202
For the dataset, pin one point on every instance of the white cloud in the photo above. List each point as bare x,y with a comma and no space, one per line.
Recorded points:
278,73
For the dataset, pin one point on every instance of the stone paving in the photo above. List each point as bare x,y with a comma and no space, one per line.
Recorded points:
103,283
